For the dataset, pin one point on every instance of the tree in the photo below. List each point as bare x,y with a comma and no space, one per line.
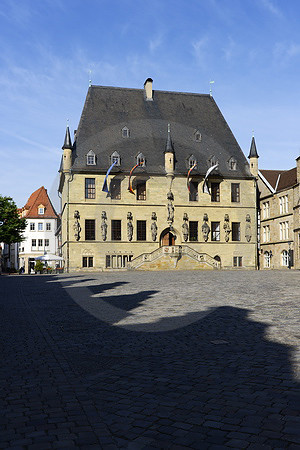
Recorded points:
11,224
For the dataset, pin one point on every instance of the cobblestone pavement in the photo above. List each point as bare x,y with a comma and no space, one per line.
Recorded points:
137,360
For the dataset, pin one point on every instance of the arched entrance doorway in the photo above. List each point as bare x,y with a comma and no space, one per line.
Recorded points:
167,238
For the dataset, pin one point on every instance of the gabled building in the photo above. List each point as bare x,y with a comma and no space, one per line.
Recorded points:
156,180
40,231
280,218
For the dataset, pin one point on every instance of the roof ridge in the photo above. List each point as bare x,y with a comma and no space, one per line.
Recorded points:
142,90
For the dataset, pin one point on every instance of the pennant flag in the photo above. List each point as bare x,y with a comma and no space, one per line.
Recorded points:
105,187
188,176
130,174
205,185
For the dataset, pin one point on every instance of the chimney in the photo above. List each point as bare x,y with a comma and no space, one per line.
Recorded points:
148,89
298,169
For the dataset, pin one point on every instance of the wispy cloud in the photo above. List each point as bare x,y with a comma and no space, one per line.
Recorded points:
284,52
155,42
200,50
272,8
230,50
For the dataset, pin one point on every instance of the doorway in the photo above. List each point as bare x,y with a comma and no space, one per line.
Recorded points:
167,238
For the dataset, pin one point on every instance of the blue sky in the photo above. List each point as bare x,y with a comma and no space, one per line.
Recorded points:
250,48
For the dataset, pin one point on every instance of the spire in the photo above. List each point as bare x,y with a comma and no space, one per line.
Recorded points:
68,142
253,152
169,144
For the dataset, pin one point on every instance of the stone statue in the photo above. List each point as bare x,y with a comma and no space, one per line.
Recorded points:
205,228
226,227
76,226
185,227
154,227
248,233
170,207
129,226
103,225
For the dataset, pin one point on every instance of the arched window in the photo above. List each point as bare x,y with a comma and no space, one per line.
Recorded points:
140,159
192,161
125,132
232,163
91,158
115,157
267,260
285,258
198,136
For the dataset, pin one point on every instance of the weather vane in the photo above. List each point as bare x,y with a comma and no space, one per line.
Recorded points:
210,89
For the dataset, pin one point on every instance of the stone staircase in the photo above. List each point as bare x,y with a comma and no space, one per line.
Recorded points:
174,257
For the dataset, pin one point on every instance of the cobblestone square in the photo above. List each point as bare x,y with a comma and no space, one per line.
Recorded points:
145,360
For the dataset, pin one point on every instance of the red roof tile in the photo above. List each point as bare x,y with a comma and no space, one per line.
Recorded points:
280,179
37,198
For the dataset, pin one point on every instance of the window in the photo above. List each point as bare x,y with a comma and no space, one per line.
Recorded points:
236,231
140,159
197,136
40,242
232,164
235,192
266,233
267,260
125,132
193,194
141,190
90,188
266,210
192,161
89,229
215,192
283,204
212,161
115,189
41,210
46,242
284,230
32,226
48,226
117,261
141,230
193,230
116,230
91,158
87,261
115,158
285,258
215,231
40,226
33,242
237,261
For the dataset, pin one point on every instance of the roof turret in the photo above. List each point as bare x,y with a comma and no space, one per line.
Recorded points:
253,152
68,142
169,144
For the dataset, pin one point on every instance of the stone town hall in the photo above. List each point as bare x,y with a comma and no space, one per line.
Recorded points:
156,180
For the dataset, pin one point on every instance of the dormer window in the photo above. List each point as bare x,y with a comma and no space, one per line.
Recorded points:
41,210
198,136
192,161
125,132
140,159
115,158
212,161
91,158
232,164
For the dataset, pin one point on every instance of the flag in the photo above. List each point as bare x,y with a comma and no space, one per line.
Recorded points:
205,185
188,175
130,174
105,187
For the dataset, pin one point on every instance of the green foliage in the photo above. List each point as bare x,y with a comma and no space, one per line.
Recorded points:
11,225
39,266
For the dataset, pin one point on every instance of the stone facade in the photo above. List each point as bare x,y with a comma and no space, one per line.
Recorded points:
279,218
109,230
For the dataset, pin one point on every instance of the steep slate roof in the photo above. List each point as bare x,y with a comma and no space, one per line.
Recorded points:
280,179
253,152
39,197
108,109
